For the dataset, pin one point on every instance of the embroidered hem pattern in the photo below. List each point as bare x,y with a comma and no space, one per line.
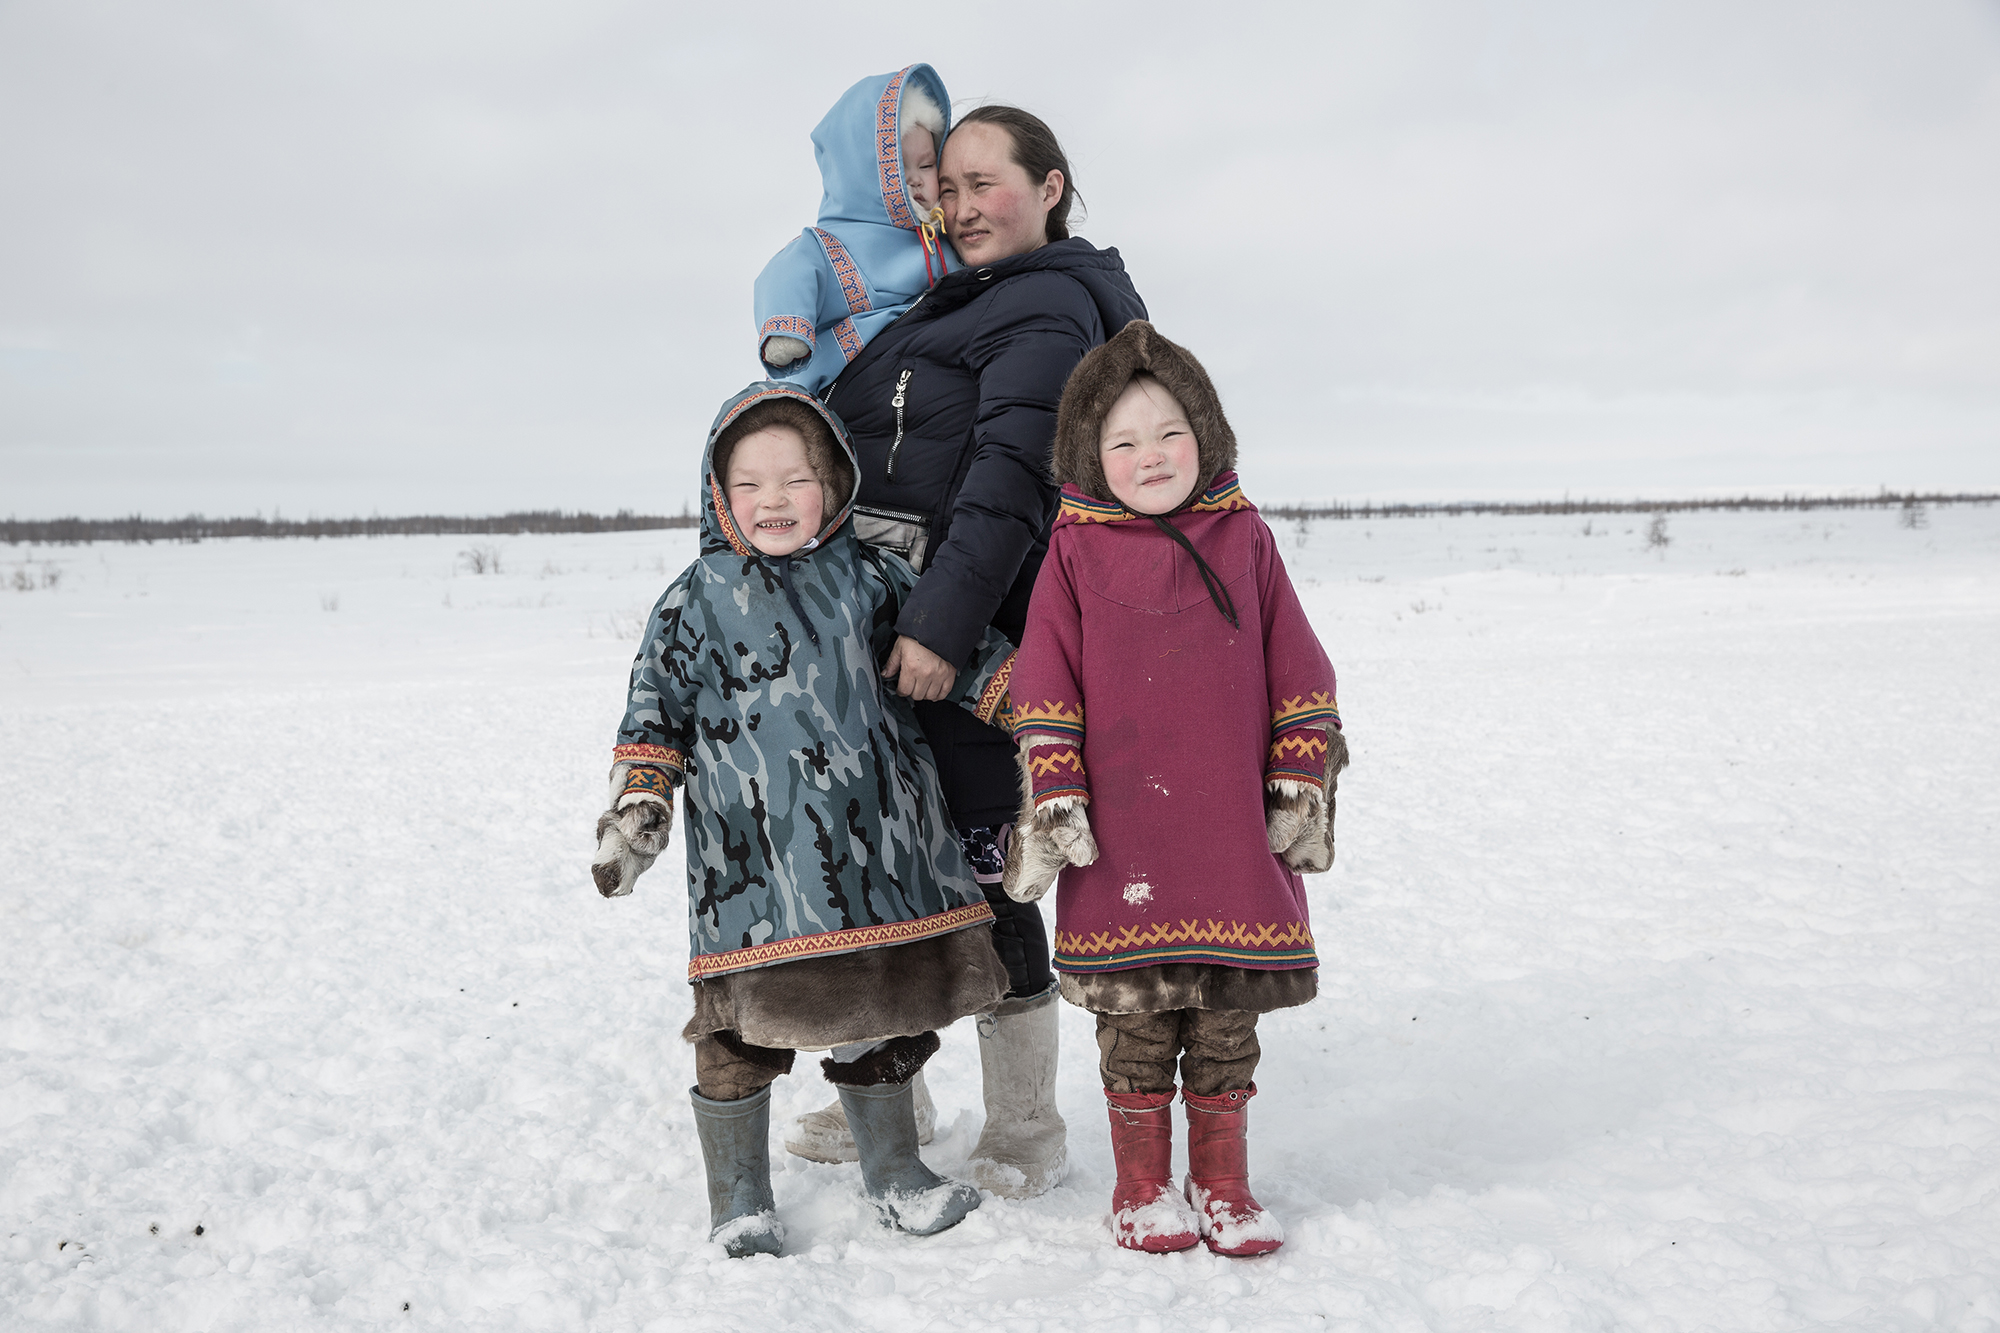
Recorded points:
844,271
1233,943
889,151
1298,756
838,941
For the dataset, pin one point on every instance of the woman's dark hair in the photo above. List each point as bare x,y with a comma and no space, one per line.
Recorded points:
1035,152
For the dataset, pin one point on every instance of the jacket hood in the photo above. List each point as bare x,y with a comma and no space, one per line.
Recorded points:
1098,380
718,529
859,145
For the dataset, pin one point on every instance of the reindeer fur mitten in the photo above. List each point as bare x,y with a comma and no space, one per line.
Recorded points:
632,833
1298,817
1046,839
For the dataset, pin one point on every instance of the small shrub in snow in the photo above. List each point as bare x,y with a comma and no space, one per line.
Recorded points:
1656,534
481,559
1913,516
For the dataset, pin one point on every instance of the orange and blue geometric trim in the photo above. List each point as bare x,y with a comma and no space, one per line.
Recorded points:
1317,709
659,756
993,699
1285,944
889,151
786,326
727,521
850,341
1051,715
648,781
851,286
1225,493
833,942
1085,509
1298,755
1055,770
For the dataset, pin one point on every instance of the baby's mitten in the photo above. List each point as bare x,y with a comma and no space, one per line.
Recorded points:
1056,835
782,351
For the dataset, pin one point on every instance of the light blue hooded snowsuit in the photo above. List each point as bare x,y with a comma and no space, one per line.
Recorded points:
842,281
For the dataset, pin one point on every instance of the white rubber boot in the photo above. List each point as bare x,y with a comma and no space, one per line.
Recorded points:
1023,1150
823,1136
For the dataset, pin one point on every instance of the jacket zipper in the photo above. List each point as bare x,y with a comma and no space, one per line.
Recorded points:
902,385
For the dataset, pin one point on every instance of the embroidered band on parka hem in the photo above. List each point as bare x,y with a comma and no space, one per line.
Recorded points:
830,942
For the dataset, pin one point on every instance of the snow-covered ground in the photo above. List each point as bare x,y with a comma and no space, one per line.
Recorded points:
1661,983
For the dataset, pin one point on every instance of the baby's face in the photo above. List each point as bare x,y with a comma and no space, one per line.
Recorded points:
774,494
1149,450
920,167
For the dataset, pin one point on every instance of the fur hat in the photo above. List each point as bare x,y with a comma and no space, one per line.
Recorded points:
823,454
1101,376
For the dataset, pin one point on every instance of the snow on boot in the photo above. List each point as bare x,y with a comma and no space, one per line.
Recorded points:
910,1195
1146,1213
735,1147
823,1136
1218,1185
1022,1151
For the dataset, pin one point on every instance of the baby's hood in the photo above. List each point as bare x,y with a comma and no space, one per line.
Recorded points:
859,145
1098,380
718,529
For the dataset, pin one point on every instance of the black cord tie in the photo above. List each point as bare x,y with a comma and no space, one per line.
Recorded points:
792,596
1209,579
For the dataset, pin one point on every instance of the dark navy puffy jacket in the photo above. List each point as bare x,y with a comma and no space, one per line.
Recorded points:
982,359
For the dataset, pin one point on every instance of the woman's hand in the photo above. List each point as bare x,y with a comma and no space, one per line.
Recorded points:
918,672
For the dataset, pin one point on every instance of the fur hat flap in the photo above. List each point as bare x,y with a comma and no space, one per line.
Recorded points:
1098,380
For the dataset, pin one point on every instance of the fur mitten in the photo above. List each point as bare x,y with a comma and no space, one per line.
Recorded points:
1055,835
630,835
1298,817
782,351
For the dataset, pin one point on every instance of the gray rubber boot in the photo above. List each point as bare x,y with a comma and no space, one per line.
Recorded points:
1023,1150
735,1147
910,1195
822,1135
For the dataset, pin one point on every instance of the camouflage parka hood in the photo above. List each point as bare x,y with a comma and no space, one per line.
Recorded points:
810,809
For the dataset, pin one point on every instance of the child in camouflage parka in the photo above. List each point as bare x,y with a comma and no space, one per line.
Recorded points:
829,903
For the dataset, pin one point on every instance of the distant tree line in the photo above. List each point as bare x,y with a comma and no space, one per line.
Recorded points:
1426,509
194,528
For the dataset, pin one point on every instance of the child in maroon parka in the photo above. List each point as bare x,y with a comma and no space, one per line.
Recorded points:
1179,742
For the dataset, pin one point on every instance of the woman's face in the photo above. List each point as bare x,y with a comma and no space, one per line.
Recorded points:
992,210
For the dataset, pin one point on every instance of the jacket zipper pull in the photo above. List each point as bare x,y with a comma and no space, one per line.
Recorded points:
902,384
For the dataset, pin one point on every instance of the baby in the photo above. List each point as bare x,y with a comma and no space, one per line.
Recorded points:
1179,742
830,906
875,248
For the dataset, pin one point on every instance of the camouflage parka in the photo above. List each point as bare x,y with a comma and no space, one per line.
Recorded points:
811,810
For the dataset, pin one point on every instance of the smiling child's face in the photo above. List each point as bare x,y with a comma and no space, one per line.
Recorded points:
774,495
1149,450
920,167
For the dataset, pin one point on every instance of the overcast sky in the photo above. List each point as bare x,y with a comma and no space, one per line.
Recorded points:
468,257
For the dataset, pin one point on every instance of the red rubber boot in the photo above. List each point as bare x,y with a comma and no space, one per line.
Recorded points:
1146,1214
1218,1185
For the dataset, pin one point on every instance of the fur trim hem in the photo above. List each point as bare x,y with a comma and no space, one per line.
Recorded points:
815,1004
894,1061
1102,375
1165,986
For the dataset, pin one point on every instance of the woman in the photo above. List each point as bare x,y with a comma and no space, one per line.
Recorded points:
953,410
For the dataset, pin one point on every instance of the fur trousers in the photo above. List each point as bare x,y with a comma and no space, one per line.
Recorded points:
1216,1050
728,1069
